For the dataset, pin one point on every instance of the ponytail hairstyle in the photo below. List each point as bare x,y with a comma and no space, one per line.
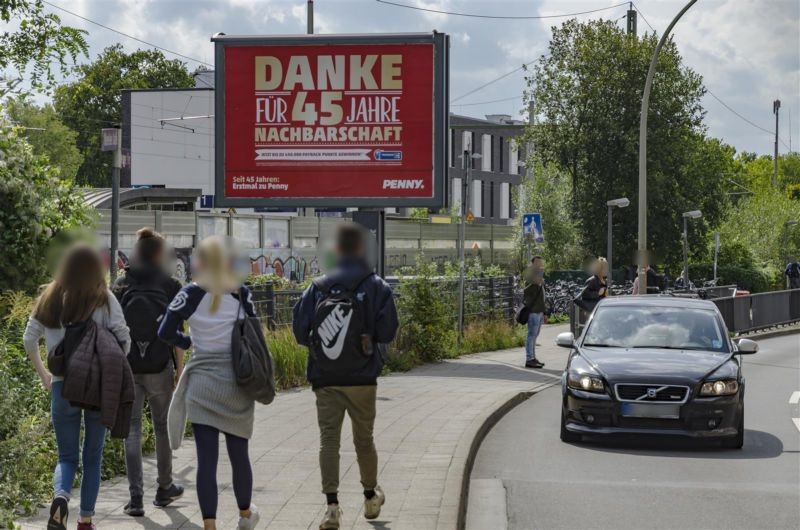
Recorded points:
149,247
78,288
215,270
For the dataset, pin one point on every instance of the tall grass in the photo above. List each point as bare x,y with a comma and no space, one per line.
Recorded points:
288,356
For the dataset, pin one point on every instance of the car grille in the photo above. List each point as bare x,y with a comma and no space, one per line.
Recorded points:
652,393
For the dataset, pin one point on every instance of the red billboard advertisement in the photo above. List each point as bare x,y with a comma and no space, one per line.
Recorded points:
331,120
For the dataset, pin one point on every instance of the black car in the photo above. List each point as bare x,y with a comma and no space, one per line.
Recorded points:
654,365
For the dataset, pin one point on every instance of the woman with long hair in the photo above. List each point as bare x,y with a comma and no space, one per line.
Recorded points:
77,293
207,393
596,286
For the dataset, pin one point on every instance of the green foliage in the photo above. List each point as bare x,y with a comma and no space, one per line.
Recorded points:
490,335
35,206
549,193
40,44
94,101
755,280
290,358
47,135
419,213
587,90
757,225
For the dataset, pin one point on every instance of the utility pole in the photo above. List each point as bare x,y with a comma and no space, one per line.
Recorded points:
310,17
648,84
112,141
631,19
466,162
776,107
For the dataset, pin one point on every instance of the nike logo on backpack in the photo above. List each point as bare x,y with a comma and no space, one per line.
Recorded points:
333,331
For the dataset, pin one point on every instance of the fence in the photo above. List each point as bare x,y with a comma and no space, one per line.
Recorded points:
760,311
483,297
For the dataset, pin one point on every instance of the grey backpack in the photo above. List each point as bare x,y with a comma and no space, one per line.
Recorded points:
252,362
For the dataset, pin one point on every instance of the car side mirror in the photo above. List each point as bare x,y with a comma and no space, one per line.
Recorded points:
746,346
565,340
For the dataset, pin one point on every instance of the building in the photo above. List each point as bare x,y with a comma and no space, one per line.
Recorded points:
169,134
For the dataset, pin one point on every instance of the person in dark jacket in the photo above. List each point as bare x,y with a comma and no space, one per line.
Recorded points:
352,392
534,300
595,287
145,291
792,273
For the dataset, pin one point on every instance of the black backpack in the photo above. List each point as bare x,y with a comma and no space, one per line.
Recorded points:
341,342
144,305
252,362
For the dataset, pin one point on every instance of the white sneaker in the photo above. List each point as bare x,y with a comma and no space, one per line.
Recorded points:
332,518
372,507
249,523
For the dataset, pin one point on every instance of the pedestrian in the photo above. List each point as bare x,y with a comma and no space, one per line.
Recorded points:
346,319
78,293
207,393
792,272
144,292
534,300
595,287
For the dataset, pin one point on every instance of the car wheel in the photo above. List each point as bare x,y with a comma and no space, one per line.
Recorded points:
567,436
737,441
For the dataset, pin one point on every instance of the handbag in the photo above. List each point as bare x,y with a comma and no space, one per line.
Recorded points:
524,312
253,366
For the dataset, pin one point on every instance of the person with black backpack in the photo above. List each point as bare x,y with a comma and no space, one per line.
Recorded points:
346,319
144,292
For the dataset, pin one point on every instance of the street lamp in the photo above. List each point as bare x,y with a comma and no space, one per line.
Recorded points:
622,202
466,160
694,214
648,84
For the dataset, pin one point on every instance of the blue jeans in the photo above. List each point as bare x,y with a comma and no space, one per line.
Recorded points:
535,321
67,424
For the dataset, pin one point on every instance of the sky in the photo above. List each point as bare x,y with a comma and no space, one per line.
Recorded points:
748,51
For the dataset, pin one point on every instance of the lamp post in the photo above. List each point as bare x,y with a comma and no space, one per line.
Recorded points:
648,84
694,214
622,202
466,160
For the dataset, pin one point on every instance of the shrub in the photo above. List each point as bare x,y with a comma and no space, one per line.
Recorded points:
751,279
490,335
289,357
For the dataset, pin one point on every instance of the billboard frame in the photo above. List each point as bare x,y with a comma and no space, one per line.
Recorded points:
441,113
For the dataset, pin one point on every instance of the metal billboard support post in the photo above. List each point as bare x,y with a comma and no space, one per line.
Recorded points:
111,140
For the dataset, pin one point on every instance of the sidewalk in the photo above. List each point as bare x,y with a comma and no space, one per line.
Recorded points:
427,420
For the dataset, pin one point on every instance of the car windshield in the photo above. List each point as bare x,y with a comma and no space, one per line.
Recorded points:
676,328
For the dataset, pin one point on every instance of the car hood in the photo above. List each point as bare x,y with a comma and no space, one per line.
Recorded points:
653,365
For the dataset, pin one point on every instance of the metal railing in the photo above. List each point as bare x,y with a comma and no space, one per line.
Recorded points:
760,311
484,297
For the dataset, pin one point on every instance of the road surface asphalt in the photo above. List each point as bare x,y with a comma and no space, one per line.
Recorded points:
641,483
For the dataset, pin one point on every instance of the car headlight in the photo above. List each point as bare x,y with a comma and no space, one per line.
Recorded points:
585,382
723,387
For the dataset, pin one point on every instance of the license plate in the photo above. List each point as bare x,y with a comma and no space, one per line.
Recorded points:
651,410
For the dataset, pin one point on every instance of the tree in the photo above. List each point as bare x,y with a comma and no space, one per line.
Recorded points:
549,193
36,206
38,42
47,135
94,101
587,92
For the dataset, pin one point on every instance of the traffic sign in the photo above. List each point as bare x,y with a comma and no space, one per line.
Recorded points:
532,227
470,216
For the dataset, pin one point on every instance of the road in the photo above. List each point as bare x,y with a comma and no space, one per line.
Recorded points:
645,483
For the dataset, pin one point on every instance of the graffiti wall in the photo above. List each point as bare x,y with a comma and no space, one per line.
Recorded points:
283,264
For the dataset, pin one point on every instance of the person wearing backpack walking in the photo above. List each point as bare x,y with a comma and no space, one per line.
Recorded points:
346,319
78,293
792,272
144,292
208,394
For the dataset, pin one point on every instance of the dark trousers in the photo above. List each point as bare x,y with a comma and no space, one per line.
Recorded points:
207,440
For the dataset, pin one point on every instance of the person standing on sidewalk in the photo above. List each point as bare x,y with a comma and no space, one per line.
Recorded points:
792,272
346,319
78,293
207,394
534,299
144,292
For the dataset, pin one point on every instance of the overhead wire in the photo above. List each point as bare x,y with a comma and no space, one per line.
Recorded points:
498,17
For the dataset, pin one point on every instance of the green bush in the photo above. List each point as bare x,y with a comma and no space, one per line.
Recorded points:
751,279
289,357
490,335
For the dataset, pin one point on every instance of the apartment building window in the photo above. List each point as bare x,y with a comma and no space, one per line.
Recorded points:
451,160
455,193
477,198
474,161
513,158
486,152
505,200
500,152
491,186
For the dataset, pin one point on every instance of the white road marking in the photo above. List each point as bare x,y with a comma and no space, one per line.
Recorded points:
796,423
795,399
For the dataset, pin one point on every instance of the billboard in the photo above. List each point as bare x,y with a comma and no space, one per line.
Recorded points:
331,120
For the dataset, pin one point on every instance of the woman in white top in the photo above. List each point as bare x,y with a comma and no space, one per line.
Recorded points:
77,293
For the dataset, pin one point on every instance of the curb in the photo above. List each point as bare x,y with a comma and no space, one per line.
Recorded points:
486,425
771,334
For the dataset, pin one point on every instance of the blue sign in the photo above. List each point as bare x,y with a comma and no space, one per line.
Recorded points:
206,201
532,227
388,155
